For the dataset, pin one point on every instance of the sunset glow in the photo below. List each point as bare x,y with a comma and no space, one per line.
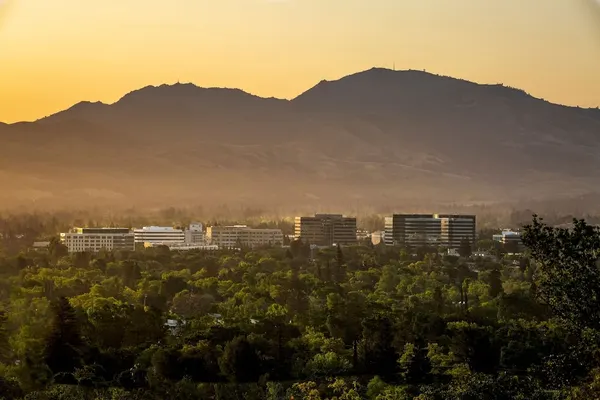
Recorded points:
56,53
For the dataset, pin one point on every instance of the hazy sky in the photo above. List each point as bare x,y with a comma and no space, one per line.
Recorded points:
54,53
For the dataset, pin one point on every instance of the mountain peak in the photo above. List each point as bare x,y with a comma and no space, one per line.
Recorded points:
87,104
172,94
382,88
181,90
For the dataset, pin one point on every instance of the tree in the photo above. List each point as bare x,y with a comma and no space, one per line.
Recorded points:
495,282
568,275
239,362
475,345
464,249
57,249
130,273
64,346
5,351
414,364
340,266
379,353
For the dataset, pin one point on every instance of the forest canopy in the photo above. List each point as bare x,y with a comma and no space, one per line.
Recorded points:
357,322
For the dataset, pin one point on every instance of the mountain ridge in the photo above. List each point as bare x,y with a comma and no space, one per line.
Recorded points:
400,134
507,89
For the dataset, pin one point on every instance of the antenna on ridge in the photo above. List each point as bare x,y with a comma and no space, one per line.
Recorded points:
394,65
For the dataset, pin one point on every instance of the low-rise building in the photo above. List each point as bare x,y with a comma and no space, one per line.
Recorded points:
184,246
167,235
241,235
159,235
510,239
95,239
40,246
194,234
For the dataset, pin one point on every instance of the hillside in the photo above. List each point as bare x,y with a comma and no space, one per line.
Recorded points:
378,137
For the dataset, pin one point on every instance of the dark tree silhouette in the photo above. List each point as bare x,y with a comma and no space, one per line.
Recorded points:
464,250
495,282
240,362
64,346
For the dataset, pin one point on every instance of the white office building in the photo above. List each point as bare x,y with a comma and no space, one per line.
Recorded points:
241,235
185,246
194,234
95,239
159,235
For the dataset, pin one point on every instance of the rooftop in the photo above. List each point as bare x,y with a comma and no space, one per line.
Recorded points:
158,229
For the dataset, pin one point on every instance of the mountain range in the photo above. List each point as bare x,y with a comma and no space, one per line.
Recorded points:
377,138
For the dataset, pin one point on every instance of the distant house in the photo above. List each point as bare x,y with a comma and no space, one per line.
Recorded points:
511,240
173,325
40,246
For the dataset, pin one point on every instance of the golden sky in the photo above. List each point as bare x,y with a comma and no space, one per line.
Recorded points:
54,53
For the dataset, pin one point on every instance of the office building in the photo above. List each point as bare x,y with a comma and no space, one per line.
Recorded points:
243,236
194,234
326,229
185,246
168,235
432,230
96,239
457,228
159,235
413,230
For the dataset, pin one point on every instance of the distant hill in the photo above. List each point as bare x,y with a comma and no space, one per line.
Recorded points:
378,137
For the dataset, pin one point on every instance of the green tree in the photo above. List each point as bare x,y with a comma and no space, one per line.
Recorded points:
56,249
568,275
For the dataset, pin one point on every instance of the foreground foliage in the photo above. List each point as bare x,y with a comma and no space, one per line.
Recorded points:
359,322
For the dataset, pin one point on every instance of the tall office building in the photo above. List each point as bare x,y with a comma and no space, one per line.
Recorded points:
96,239
429,230
326,229
456,228
413,230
